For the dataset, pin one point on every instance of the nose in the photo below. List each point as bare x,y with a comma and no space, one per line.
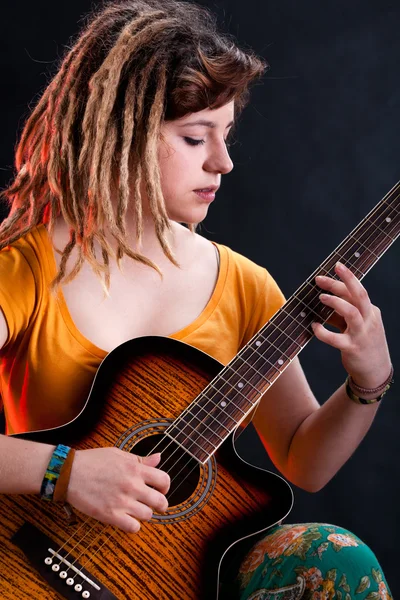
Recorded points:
219,160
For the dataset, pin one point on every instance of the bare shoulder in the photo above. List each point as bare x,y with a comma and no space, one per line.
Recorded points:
3,329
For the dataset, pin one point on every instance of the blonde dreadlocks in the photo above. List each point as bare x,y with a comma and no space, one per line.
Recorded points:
97,125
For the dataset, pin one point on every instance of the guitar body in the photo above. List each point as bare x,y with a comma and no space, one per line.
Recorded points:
140,388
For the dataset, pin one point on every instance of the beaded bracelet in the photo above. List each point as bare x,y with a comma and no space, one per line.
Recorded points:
362,390
53,470
351,387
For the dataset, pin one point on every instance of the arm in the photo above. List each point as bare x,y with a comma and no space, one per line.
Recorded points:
307,442
108,484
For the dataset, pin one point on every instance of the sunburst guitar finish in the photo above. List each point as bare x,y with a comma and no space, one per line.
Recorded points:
217,507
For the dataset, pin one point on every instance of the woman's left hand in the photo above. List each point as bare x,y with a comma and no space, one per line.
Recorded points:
362,341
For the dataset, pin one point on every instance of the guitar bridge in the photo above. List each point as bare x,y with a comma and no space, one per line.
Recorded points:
65,576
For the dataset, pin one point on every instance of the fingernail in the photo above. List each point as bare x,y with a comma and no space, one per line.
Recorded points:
340,266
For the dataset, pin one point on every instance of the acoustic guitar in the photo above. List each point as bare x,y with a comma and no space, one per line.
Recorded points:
158,394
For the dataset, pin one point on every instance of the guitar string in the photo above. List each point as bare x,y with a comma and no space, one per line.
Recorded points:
360,225
76,544
173,480
266,340
189,461
83,552
365,260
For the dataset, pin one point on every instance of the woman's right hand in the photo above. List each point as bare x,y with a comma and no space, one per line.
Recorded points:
117,487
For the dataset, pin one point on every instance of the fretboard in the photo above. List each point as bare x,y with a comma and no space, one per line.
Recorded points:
237,389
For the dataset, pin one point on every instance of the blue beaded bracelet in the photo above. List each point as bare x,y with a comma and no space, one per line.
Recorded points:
53,471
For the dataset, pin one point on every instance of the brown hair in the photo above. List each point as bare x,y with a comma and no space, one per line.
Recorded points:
135,64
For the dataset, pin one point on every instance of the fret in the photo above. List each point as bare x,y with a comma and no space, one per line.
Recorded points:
321,308
260,362
195,421
193,446
206,421
394,208
289,320
235,393
237,378
211,410
357,249
226,401
384,233
185,428
309,307
261,376
273,338
266,352
283,333
303,312
308,294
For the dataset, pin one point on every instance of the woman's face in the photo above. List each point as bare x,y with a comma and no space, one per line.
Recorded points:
193,156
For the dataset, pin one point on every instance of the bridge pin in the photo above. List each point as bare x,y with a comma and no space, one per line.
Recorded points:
48,560
55,568
86,594
70,581
63,574
78,587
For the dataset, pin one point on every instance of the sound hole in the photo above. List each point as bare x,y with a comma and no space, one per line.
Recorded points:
180,466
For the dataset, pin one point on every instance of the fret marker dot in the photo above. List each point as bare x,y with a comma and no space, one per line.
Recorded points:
388,219
357,254
240,384
302,314
280,362
258,343
223,403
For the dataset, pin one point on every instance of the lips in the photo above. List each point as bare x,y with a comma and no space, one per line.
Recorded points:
212,188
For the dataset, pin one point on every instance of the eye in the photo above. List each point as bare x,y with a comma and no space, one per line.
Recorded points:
193,142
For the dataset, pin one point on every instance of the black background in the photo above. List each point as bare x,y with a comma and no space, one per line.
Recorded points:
316,149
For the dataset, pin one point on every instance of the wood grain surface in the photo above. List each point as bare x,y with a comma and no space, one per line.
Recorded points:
145,380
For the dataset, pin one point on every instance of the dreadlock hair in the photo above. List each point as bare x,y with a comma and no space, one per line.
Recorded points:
135,64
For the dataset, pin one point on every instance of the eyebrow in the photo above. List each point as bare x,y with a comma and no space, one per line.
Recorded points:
210,124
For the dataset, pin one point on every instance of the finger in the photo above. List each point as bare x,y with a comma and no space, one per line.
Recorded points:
152,460
152,498
348,311
141,511
334,286
124,522
160,480
336,340
357,291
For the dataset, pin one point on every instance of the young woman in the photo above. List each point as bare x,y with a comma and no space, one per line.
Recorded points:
126,146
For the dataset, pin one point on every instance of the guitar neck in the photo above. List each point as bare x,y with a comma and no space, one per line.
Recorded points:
232,395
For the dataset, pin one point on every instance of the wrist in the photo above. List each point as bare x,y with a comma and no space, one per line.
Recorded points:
371,390
56,477
371,382
363,395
